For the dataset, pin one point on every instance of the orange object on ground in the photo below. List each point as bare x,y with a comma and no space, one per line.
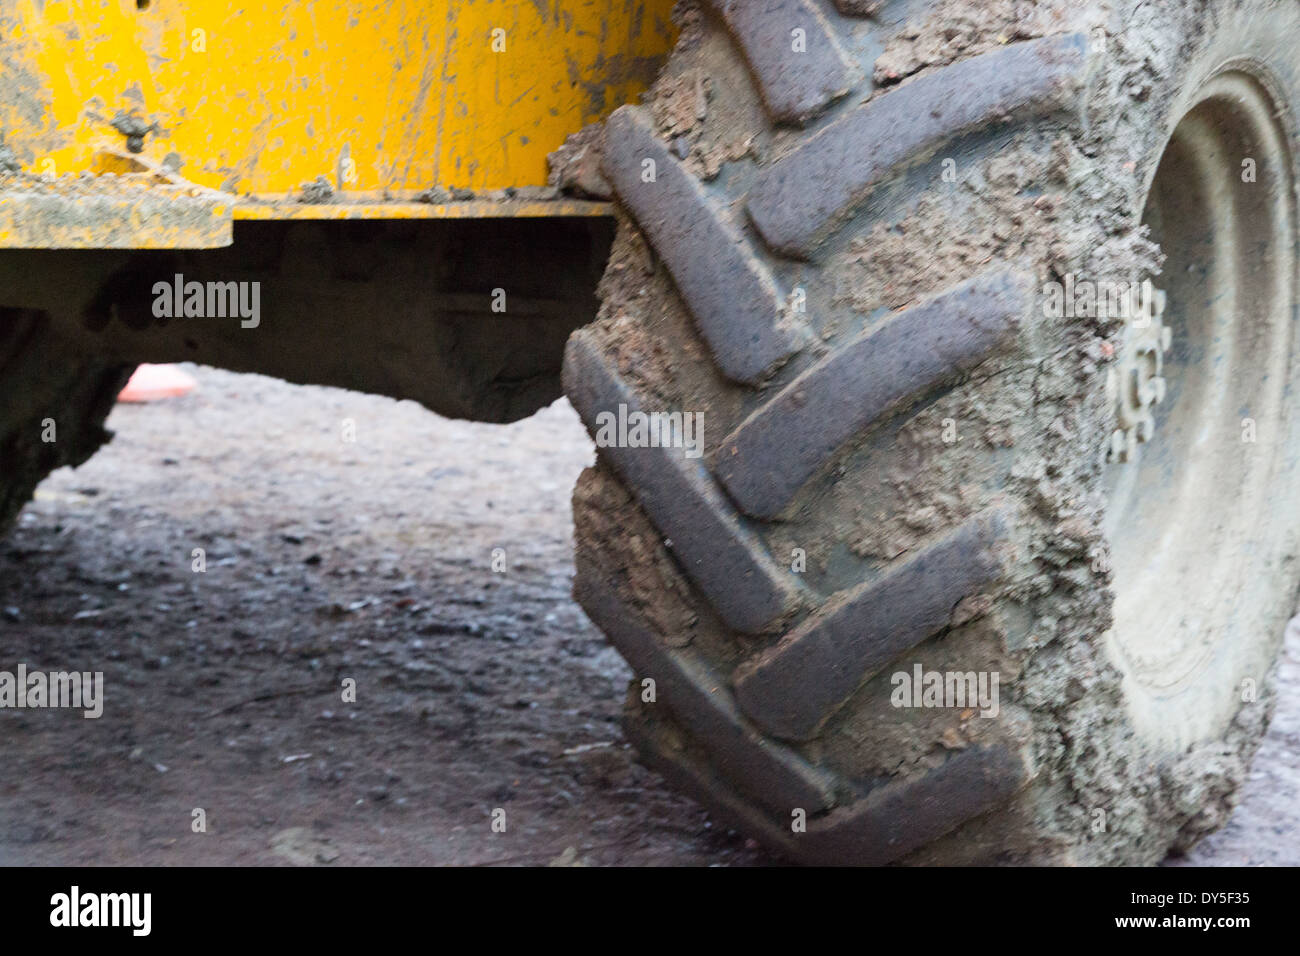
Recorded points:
149,383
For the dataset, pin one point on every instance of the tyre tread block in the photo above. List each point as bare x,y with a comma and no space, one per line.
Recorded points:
725,561
798,200
792,688
729,292
897,818
769,772
794,85
771,454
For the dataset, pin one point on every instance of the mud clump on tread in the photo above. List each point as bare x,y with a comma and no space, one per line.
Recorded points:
574,168
703,113
650,580
956,29
652,338
899,263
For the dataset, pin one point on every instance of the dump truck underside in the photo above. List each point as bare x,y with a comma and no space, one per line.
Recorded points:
377,173
417,309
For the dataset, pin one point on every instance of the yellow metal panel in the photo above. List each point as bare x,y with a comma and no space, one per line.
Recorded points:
382,95
471,209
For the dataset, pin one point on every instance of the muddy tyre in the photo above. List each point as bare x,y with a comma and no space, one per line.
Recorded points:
857,247
55,401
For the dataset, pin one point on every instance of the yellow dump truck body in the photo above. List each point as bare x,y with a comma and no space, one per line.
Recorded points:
382,99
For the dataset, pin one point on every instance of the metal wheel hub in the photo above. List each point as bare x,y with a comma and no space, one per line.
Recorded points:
1135,383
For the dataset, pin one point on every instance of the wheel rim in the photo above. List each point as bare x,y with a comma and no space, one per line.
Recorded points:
1187,515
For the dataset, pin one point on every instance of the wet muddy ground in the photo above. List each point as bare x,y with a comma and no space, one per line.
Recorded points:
426,560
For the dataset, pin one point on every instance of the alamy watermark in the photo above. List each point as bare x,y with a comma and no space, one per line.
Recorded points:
636,429
208,300
1075,297
951,689
133,911
78,690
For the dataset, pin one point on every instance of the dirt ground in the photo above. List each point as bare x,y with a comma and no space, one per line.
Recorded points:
477,690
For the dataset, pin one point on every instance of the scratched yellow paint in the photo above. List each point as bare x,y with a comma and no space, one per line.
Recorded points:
382,95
